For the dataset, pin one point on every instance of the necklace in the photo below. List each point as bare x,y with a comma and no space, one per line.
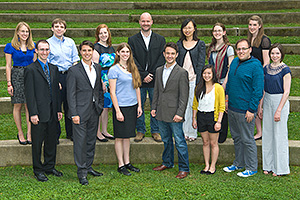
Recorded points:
125,68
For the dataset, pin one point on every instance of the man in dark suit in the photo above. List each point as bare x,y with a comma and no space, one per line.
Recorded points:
147,48
85,100
43,102
170,97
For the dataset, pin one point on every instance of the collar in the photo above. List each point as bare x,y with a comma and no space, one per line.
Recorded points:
169,68
42,64
58,40
148,36
86,65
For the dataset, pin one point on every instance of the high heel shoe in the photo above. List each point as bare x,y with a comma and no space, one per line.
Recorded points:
23,143
108,137
29,142
102,140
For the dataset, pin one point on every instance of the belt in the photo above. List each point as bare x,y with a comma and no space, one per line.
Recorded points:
63,72
18,67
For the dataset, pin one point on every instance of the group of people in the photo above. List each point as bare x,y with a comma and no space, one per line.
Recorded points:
186,96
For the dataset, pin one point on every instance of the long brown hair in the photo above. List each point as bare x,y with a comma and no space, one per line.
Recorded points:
260,33
213,39
98,31
15,42
131,67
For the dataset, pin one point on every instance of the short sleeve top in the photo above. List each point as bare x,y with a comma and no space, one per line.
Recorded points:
126,94
274,78
107,55
264,45
19,58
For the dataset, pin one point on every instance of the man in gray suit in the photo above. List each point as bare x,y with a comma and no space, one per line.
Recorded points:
85,100
170,97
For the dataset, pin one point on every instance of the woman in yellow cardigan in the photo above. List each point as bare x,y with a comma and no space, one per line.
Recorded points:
209,106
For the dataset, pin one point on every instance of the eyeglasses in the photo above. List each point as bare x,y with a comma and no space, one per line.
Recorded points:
242,49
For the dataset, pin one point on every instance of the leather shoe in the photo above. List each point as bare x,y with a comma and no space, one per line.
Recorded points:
23,143
95,173
132,168
102,140
139,137
182,174
41,177
156,137
124,171
55,173
83,181
160,168
108,137
203,172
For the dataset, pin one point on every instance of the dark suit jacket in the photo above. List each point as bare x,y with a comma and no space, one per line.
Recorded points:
81,93
153,56
171,100
37,91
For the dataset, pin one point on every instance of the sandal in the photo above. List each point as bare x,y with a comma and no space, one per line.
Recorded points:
266,172
192,139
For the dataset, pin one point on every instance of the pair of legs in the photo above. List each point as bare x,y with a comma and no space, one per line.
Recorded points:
189,132
103,121
258,128
210,147
18,121
122,148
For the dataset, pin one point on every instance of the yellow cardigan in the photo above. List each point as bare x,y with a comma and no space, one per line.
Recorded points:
219,101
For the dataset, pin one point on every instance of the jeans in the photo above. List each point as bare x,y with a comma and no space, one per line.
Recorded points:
140,123
166,131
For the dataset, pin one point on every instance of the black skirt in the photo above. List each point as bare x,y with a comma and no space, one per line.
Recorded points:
125,129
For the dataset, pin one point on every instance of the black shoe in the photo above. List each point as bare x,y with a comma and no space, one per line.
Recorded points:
83,181
23,143
70,138
29,142
95,173
57,142
41,177
203,172
102,140
108,137
124,171
259,138
211,173
132,168
55,173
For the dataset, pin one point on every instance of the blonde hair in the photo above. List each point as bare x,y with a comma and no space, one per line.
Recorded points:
15,42
257,40
98,31
131,67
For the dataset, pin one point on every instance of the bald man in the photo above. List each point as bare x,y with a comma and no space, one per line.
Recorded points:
147,49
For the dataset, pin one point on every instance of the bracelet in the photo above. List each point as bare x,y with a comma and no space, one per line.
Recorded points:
226,100
9,85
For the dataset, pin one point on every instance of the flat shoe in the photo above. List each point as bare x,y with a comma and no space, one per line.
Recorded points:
108,137
132,168
124,171
259,138
203,172
267,172
211,173
102,140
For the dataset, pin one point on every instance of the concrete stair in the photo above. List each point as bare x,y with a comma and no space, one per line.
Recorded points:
147,151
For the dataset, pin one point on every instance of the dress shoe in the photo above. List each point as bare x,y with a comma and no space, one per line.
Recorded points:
211,173
83,181
203,172
55,173
23,143
160,168
108,137
29,142
95,173
156,137
102,140
132,168
182,174
139,137
124,171
41,177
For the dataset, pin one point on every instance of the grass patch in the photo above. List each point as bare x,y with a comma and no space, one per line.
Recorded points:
118,0
18,183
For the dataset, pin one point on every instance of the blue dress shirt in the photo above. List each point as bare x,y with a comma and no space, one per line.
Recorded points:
63,53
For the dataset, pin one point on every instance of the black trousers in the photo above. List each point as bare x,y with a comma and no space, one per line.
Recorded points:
44,132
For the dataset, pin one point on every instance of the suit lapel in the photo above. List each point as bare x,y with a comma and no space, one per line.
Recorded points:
83,72
51,72
172,75
40,70
141,41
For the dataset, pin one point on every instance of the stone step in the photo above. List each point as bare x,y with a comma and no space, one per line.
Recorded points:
241,5
146,151
289,48
291,17
6,107
167,32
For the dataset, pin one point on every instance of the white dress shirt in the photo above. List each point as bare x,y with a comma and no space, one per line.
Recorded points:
166,73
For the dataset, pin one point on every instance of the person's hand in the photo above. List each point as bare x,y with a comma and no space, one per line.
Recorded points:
120,116
217,126
153,113
226,106
10,90
60,87
76,119
59,116
194,123
34,119
177,118
249,116
277,116
139,111
148,78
